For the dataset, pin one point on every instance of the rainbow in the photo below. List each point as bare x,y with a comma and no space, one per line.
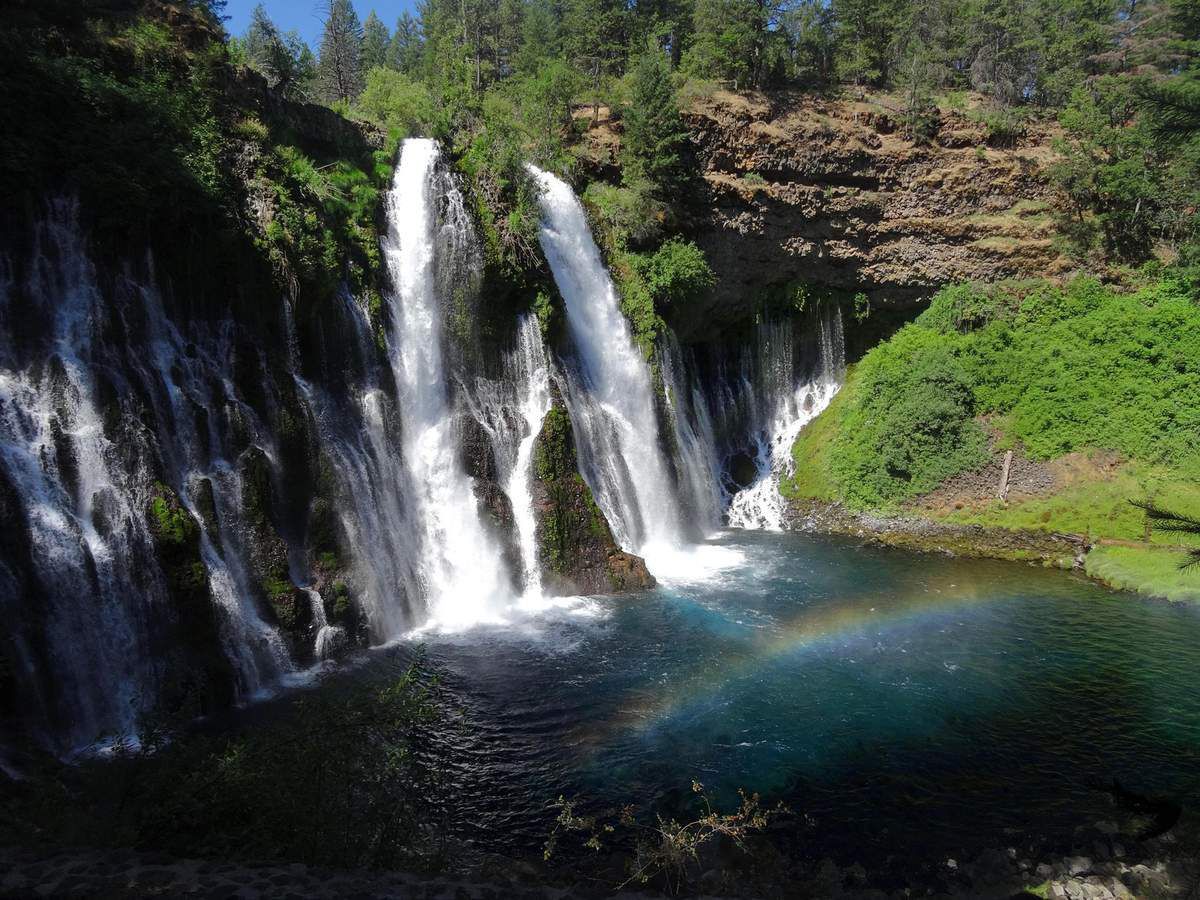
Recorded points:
811,628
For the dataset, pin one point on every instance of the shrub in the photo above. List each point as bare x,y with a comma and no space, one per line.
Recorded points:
675,272
913,426
394,101
1069,368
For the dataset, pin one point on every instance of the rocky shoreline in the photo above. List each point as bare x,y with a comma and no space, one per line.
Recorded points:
1051,549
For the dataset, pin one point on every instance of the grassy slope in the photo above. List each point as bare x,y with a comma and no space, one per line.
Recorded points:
1093,503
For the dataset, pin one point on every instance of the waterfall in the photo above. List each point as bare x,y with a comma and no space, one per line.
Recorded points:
181,376
101,399
698,462
460,563
121,401
511,411
360,434
775,401
87,542
608,390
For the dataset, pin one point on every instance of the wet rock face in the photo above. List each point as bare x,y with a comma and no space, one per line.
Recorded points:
198,675
831,194
576,547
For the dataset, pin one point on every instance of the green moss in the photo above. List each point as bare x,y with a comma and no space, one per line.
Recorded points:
170,523
340,609
597,524
554,454
282,596
1147,570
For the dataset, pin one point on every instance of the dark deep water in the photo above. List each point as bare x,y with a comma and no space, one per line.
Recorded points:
909,704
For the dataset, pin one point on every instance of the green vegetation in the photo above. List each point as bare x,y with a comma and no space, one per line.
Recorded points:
339,778
118,115
913,426
571,520
1059,370
1157,572
1092,501
655,141
170,522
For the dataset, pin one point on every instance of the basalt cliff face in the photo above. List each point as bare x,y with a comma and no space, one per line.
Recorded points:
834,194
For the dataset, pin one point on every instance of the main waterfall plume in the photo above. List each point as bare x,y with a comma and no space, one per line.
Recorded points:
461,564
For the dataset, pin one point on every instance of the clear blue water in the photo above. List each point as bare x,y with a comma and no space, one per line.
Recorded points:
907,703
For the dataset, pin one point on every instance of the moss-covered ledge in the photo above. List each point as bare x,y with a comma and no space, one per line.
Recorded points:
576,547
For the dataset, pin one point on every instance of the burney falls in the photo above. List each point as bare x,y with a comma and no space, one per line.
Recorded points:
585,448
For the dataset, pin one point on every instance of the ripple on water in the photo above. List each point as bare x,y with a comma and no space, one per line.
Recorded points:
871,689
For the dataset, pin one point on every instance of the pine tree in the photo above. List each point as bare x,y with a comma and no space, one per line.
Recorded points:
375,43
655,139
258,35
867,31
539,37
284,59
404,52
594,39
340,66
723,46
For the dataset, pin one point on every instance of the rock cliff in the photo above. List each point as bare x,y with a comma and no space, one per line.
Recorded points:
833,194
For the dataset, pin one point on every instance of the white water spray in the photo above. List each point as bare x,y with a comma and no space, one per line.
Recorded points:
461,564
779,409
611,400
511,411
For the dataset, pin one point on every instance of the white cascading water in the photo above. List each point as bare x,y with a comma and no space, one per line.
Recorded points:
698,462
361,439
609,393
511,411
780,407
181,377
84,495
461,564
60,464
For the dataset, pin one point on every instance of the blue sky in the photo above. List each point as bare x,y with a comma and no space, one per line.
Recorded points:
305,16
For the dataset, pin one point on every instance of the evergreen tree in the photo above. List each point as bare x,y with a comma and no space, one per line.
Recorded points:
404,52
655,141
510,19
667,22
594,37
284,59
812,43
258,35
539,37
724,44
867,30
339,68
375,43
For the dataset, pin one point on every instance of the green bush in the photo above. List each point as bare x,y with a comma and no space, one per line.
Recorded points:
675,272
394,101
913,426
624,217
1067,368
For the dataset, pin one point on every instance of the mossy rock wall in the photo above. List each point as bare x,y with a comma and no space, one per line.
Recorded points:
198,676
576,547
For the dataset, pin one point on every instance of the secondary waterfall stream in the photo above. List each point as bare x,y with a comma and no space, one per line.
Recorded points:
609,392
